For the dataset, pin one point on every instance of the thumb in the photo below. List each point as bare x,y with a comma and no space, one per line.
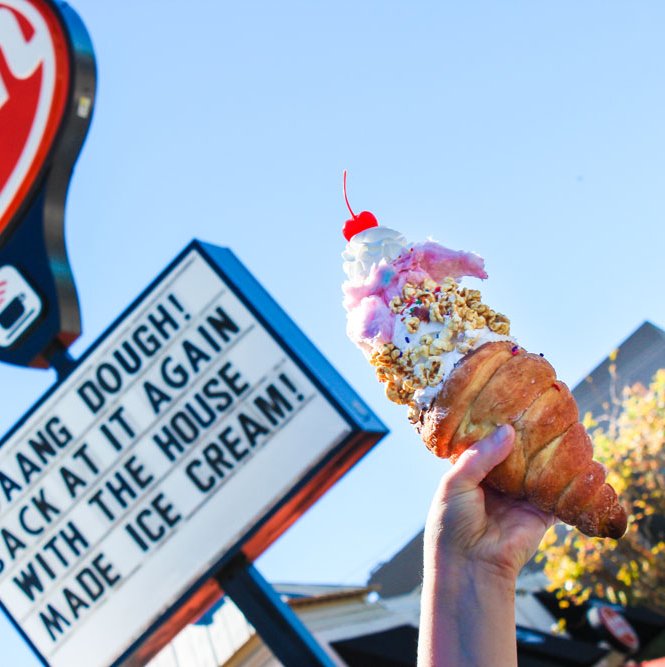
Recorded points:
477,461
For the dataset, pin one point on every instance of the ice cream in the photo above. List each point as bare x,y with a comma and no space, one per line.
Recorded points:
409,313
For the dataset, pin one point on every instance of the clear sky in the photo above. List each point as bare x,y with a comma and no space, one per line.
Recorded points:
529,132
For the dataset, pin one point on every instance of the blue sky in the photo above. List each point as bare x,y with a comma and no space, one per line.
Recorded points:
529,132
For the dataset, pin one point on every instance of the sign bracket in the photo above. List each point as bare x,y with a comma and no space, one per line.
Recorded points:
59,359
276,623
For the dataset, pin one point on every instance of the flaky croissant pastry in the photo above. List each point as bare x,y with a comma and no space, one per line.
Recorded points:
552,463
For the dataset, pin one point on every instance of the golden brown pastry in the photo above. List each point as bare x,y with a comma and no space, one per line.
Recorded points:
552,462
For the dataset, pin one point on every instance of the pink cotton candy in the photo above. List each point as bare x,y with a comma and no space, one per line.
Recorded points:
440,262
414,264
370,322
381,278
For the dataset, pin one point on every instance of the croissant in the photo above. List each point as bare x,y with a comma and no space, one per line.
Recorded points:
552,463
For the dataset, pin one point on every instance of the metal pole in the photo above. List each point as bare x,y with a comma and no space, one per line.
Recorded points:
279,627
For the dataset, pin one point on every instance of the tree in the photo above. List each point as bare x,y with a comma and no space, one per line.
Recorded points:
630,442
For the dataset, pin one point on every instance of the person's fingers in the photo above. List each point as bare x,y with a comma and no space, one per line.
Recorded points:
478,460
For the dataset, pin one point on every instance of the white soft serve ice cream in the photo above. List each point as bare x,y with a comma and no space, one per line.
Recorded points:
408,313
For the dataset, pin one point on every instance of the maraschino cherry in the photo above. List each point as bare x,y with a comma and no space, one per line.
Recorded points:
357,223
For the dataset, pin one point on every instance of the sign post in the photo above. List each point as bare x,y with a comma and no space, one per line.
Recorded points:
279,627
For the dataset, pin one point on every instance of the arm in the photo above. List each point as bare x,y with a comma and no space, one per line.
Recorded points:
476,542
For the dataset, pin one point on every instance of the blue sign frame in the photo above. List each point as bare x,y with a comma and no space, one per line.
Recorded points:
366,429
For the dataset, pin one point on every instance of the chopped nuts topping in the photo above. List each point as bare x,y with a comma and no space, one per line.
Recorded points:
396,304
412,324
458,309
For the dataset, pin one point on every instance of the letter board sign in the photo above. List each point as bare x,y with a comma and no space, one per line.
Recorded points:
201,424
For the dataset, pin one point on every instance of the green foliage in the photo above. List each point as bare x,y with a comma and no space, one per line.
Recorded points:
630,443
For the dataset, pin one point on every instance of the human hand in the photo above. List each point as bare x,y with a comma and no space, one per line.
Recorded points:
470,523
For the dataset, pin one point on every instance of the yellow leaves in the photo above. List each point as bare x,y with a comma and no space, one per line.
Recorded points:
630,441
549,539
559,628
624,576
658,548
588,421
628,573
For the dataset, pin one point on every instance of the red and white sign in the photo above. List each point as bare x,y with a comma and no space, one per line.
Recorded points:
34,87
618,627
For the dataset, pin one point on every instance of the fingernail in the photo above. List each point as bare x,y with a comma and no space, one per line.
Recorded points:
501,434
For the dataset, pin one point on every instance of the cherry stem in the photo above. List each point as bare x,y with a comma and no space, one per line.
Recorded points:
346,199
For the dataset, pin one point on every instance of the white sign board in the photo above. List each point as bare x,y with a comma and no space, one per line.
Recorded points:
180,431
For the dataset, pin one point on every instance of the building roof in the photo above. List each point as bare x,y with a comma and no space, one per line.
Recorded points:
402,573
637,359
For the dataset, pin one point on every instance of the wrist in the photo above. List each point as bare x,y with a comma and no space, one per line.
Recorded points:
462,572
467,615
457,576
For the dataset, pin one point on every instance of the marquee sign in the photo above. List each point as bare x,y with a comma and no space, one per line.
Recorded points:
201,425
47,85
